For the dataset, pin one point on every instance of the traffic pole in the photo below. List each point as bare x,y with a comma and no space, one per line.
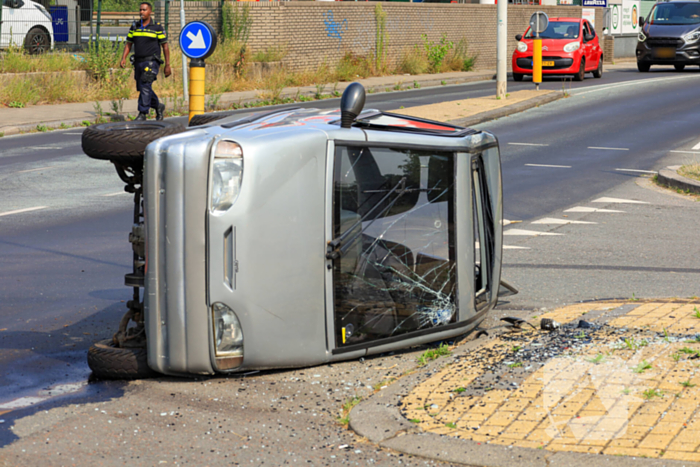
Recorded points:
197,72
537,62
184,58
501,49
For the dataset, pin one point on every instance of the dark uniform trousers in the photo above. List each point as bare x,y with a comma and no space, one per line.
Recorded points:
145,74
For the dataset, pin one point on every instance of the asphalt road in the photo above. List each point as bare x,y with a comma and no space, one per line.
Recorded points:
65,253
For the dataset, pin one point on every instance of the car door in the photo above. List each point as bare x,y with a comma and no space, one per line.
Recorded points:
588,46
14,27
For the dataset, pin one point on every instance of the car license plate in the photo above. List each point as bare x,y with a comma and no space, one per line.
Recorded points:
549,63
665,52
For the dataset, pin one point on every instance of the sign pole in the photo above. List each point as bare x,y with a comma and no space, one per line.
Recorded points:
184,57
501,49
539,22
197,73
197,42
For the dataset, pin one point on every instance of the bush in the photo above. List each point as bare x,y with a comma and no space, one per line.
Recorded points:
271,54
102,56
353,66
436,52
414,61
460,60
235,22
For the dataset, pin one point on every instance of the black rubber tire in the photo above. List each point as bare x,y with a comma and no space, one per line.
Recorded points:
109,362
598,73
581,71
518,76
679,67
125,142
643,67
203,119
37,41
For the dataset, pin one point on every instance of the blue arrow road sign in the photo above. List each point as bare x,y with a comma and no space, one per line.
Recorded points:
197,40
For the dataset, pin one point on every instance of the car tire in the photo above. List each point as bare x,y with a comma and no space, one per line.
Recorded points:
203,119
518,76
598,72
37,41
124,143
581,71
109,362
679,67
643,67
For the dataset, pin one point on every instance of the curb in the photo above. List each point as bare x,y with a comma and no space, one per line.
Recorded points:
509,109
227,99
669,176
378,419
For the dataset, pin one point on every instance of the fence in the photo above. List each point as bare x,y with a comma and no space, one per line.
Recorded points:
23,24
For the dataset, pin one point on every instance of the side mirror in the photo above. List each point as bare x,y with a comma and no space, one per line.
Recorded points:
641,21
588,37
14,3
519,37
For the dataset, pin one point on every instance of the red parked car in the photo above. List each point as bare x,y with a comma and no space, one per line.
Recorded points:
570,46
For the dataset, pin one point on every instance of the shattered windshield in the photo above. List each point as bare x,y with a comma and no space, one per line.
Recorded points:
393,226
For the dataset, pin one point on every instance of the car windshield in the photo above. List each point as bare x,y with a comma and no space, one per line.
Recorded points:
557,30
675,13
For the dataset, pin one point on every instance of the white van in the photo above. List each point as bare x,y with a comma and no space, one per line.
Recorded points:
26,24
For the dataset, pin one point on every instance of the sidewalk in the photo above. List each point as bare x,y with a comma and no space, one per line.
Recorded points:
618,378
14,121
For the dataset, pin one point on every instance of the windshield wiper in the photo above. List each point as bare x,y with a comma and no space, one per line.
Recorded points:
339,246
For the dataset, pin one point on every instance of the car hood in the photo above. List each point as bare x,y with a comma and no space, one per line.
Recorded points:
663,30
550,45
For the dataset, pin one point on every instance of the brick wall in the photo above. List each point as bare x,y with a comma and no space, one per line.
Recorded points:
322,32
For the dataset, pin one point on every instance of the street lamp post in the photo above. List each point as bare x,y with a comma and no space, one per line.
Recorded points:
501,49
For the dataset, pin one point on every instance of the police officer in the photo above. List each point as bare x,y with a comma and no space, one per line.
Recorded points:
147,37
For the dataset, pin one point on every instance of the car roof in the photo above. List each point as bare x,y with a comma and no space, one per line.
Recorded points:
326,120
556,20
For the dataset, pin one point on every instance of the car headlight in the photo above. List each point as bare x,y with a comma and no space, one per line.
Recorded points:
572,46
691,37
228,335
522,47
227,175
641,37
43,11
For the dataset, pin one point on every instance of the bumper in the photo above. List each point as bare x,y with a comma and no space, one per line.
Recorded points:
657,54
561,65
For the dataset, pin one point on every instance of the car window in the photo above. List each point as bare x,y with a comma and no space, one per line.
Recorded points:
675,13
587,29
558,30
7,3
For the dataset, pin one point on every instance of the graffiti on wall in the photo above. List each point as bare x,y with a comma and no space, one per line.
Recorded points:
334,29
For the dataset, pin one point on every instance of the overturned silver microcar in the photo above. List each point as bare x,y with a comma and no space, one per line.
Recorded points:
298,237
301,236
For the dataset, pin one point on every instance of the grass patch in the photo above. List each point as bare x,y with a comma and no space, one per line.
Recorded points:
642,367
381,384
432,354
687,384
414,420
271,54
696,312
600,358
515,365
651,393
690,171
344,419
451,425
689,351
459,390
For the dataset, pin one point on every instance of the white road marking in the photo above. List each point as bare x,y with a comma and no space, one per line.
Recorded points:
608,149
34,170
686,152
587,209
552,166
530,144
18,211
513,247
116,194
603,87
551,220
21,403
529,233
696,147
639,171
43,147
605,199
73,133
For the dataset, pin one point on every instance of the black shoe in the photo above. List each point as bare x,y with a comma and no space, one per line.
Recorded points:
142,117
159,111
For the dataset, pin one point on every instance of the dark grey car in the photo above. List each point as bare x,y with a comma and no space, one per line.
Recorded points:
670,36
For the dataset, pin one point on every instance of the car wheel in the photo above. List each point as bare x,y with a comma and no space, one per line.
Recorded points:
203,119
37,41
518,76
581,71
598,72
109,362
643,67
679,67
124,143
